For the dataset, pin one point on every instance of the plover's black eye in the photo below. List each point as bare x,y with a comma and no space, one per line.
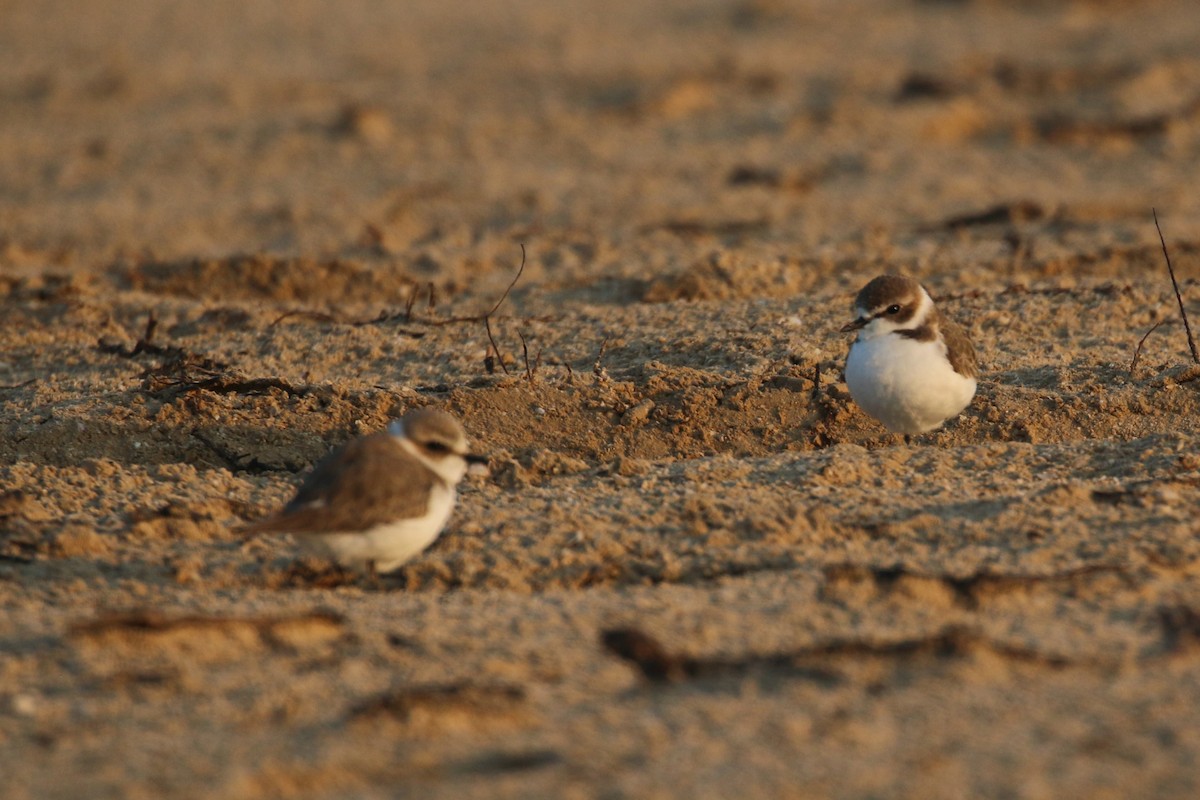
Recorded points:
894,308
436,447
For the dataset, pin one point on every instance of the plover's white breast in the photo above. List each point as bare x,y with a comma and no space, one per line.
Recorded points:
905,383
389,544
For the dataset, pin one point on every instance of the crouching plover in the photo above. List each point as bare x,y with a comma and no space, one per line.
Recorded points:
381,499
909,367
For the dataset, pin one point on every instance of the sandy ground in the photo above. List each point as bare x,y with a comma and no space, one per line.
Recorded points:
696,569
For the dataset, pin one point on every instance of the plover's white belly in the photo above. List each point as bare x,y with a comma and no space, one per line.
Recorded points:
906,384
389,545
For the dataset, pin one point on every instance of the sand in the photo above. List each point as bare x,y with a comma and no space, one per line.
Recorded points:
233,236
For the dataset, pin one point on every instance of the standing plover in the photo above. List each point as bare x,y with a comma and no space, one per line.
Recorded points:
381,499
909,367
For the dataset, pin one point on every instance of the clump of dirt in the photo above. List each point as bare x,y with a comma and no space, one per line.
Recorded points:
723,275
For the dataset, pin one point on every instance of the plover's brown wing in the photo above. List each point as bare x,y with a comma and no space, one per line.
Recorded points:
959,349
368,482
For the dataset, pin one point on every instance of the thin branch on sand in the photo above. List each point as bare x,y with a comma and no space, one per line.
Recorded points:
1178,297
1137,354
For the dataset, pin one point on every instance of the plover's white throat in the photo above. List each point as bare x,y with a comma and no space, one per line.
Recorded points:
381,499
909,367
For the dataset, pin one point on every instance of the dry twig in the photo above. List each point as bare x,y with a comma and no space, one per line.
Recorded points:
529,371
1137,354
407,314
484,317
487,318
144,344
597,369
487,324
1178,297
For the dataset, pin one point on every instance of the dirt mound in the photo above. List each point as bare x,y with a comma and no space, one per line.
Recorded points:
262,277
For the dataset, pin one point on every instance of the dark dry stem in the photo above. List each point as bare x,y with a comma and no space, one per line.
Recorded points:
525,355
407,314
1137,354
412,300
516,278
598,370
487,318
1178,297
142,345
487,324
151,325
483,317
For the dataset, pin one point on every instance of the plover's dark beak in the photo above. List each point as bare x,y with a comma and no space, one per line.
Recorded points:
477,464
857,325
